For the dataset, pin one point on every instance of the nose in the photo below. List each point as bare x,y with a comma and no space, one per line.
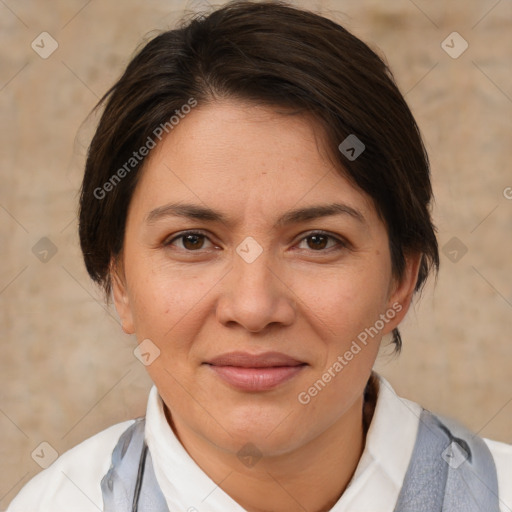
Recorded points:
255,295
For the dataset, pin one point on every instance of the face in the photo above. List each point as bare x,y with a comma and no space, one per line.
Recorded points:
263,277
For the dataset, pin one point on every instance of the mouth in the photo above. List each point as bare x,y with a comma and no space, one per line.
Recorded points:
255,372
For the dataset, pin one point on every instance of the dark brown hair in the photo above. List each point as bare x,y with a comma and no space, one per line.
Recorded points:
276,55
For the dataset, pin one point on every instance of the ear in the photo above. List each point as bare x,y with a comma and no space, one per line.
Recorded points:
401,292
121,298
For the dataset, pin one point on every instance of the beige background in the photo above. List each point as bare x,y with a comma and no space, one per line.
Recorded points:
68,371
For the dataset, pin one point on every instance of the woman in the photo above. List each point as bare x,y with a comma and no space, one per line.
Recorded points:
257,201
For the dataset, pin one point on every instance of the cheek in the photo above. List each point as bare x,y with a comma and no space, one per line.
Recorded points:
164,300
347,300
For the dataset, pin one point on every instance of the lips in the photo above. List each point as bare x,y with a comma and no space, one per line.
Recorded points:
255,372
246,360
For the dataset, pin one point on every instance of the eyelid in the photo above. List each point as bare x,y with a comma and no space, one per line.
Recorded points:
176,236
340,241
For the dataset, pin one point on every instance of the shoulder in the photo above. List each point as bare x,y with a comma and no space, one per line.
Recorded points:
75,477
502,454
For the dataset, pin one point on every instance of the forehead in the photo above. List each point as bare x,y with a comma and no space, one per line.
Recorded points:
243,157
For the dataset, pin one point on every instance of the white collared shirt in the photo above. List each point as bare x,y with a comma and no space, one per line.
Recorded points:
75,477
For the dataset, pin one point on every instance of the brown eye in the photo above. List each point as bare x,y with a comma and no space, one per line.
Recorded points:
321,241
191,241
317,242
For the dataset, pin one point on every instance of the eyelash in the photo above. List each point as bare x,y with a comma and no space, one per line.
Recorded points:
339,243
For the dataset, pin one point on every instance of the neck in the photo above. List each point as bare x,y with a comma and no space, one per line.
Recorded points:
312,477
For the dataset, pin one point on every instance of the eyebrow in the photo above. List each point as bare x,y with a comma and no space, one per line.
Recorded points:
202,213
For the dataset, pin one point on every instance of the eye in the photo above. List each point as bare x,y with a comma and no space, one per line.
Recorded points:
190,241
319,241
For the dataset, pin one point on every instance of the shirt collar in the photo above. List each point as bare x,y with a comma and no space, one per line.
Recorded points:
392,434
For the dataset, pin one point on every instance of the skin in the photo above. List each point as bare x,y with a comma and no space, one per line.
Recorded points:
306,297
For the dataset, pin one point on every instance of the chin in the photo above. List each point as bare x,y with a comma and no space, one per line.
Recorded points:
273,430
260,444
